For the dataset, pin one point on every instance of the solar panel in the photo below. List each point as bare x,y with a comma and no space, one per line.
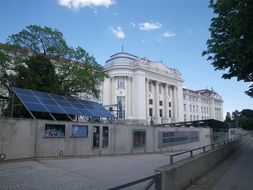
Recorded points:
36,101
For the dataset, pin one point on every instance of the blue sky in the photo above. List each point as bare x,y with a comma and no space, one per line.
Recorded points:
174,31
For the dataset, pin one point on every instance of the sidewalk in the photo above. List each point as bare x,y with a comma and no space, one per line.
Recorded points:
235,173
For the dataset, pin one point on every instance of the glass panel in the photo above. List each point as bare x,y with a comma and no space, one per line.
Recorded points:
52,130
71,111
80,130
42,95
54,109
105,136
35,107
96,136
47,101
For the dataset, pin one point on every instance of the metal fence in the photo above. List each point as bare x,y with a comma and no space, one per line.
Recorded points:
204,148
155,179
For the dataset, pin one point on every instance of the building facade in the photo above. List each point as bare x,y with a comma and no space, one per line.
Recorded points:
202,104
150,92
146,91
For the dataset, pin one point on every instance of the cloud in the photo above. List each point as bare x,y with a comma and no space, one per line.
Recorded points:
76,4
168,34
147,26
117,32
133,24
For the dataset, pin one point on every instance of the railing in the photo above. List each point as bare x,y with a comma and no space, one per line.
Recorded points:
154,179
157,178
204,148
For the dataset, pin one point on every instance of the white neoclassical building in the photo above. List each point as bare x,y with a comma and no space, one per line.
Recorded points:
202,104
145,90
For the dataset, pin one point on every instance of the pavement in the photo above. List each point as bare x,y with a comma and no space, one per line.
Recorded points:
235,173
92,173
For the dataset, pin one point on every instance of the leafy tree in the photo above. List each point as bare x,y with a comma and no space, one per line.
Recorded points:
235,115
247,113
230,46
37,73
228,117
77,72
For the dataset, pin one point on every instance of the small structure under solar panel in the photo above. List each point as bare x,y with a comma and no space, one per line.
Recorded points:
35,101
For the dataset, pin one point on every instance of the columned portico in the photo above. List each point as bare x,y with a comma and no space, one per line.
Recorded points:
165,119
157,119
143,85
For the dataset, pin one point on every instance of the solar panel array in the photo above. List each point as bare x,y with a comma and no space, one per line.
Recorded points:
44,102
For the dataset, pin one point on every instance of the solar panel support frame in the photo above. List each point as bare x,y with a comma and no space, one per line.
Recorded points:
12,107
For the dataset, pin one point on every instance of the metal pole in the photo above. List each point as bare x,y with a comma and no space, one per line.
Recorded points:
171,159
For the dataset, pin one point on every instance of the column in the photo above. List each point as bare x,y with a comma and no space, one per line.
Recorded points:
147,99
129,98
113,98
166,105
156,104
175,104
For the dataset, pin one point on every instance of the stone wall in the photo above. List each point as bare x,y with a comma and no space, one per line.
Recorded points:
24,138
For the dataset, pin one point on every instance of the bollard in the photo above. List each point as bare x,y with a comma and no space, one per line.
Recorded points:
191,153
171,159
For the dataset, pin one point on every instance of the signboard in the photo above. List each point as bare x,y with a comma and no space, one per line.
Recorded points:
173,138
53,130
79,131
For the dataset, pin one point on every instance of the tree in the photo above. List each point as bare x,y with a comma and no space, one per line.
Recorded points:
235,115
228,117
77,72
230,46
247,113
37,73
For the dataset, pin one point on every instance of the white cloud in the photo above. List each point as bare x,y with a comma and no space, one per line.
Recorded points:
168,34
76,4
149,26
133,24
117,32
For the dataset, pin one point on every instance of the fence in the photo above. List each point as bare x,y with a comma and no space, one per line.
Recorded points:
214,145
154,179
157,177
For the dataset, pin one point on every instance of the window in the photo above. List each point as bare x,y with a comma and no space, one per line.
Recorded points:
121,82
161,103
193,108
197,117
79,131
197,109
194,118
121,106
105,136
190,107
139,138
161,112
190,117
169,91
184,107
169,113
96,133
151,101
160,89
184,117
53,130
150,112
170,104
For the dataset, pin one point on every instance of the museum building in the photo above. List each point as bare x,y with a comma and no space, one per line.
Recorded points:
150,92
